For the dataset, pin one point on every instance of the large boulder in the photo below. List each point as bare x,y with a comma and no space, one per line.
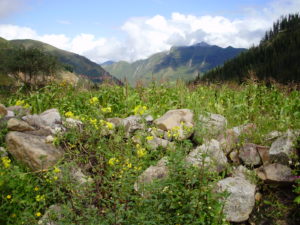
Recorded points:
32,150
240,202
159,171
208,155
275,173
3,111
249,154
209,126
282,149
14,124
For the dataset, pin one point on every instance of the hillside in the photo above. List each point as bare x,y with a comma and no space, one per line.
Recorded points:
275,58
77,63
181,62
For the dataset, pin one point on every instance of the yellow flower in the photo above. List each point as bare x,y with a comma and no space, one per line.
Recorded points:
106,110
141,152
139,110
8,196
69,114
109,125
5,161
36,188
40,198
94,100
129,165
56,170
38,214
26,106
55,177
149,138
20,102
113,161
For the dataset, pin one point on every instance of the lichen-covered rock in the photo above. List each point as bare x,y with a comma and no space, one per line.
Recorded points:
208,155
209,126
249,154
14,124
240,202
132,123
282,149
158,142
276,173
32,150
159,171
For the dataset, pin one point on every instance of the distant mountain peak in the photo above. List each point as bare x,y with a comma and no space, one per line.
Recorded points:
202,44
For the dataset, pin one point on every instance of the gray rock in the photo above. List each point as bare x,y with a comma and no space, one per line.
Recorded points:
72,123
276,173
160,171
158,142
211,126
14,124
52,216
149,119
132,123
234,157
208,155
242,172
32,150
115,121
173,118
240,202
19,110
10,114
273,135
283,149
3,110
249,154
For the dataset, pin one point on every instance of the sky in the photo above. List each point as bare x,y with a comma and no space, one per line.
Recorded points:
135,29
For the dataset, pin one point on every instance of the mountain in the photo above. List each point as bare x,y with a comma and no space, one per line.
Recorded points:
275,58
74,62
181,62
110,62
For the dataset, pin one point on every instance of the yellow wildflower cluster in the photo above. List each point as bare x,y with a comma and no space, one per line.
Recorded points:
38,214
93,100
69,114
5,161
149,138
40,198
106,124
22,103
174,132
141,152
106,110
139,110
112,161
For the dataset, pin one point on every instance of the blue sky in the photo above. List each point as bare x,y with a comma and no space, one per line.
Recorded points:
132,29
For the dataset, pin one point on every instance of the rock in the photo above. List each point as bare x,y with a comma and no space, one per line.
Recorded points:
78,177
211,126
149,119
234,157
209,155
51,216
3,111
240,202
273,135
160,171
14,124
49,139
19,111
174,118
158,142
230,139
242,172
49,120
276,173
32,150
72,123
3,152
283,149
132,123
115,121
10,114
249,154
263,152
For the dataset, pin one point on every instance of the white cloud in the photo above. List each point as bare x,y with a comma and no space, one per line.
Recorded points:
146,36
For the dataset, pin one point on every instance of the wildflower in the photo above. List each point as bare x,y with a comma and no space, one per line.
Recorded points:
141,152
20,102
40,198
55,177
5,161
129,165
106,110
94,100
109,125
139,110
113,161
38,214
36,188
26,106
8,196
149,138
69,114
56,170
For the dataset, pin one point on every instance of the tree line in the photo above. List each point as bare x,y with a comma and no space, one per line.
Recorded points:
275,58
